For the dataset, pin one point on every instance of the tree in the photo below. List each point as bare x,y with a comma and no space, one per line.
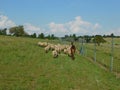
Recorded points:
33,35
52,36
98,39
17,31
48,37
66,36
3,31
41,36
87,38
112,35
74,37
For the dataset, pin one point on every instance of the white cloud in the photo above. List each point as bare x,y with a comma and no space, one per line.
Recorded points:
96,26
5,22
76,26
115,32
30,29
57,29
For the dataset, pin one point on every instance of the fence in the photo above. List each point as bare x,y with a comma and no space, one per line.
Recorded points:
107,54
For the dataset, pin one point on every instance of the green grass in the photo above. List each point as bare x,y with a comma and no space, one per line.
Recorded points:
25,66
103,53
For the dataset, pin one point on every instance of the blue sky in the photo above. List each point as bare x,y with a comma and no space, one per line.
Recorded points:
62,17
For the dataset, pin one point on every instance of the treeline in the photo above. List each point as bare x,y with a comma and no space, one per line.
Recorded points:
98,39
19,31
42,36
3,31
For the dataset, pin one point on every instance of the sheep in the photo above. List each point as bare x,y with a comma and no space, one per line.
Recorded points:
45,44
52,47
55,53
56,48
42,44
47,48
62,47
67,51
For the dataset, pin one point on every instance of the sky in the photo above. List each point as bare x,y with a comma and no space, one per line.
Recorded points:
62,17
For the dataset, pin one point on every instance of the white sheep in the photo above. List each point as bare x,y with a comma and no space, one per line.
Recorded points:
47,48
42,44
55,53
67,51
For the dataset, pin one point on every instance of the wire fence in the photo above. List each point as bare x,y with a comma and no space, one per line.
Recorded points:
107,54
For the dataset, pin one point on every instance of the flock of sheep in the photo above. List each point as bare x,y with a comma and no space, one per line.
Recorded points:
55,48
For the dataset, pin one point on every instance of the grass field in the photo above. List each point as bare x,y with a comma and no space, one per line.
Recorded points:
103,53
25,66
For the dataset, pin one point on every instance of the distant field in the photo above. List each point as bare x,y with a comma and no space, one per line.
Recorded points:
25,66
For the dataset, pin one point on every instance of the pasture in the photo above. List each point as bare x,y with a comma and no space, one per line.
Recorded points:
25,66
103,53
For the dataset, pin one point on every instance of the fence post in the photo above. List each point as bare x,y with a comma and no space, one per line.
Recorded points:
94,49
81,46
112,49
